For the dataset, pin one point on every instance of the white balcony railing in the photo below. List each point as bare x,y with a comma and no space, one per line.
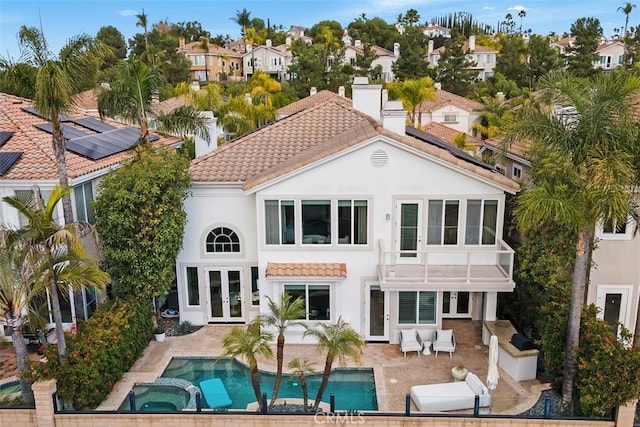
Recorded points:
474,268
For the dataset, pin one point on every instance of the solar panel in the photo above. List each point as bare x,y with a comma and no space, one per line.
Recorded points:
93,124
105,144
7,159
68,132
5,136
35,112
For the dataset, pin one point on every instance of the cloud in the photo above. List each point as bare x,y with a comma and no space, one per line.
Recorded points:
518,8
488,8
128,12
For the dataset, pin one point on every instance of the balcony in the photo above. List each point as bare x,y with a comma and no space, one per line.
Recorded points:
468,268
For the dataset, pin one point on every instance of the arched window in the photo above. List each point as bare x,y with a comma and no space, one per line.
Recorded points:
222,240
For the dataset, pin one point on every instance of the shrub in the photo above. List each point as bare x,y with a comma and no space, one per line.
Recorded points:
103,349
185,327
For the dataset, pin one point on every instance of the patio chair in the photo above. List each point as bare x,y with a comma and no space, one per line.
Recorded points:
444,340
410,341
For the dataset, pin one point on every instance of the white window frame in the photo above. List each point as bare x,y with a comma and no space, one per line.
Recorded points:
308,312
500,169
417,307
88,214
481,227
627,235
445,116
443,226
516,172
186,286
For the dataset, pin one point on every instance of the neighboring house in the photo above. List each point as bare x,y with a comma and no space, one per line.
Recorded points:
238,45
561,44
449,135
312,100
94,148
336,205
483,57
611,53
299,33
433,31
212,64
384,58
272,60
511,162
451,110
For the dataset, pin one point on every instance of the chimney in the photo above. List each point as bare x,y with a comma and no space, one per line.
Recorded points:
341,91
202,146
357,43
366,98
438,85
396,49
394,118
472,43
430,48
287,41
313,91
268,42
181,41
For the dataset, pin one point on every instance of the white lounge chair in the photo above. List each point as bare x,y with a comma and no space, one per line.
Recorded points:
450,396
410,341
444,340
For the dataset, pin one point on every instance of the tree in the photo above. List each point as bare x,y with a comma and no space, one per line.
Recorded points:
56,82
493,115
411,63
512,59
132,97
326,31
140,219
243,19
142,23
300,369
60,260
340,341
204,45
375,31
596,136
412,93
626,9
111,37
280,316
249,343
453,69
521,14
542,59
582,55
411,17
17,78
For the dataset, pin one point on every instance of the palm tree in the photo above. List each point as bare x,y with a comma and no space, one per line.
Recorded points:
243,19
411,17
626,9
300,369
142,22
597,136
15,297
280,316
204,45
522,14
250,343
132,97
59,258
494,113
412,93
56,83
340,341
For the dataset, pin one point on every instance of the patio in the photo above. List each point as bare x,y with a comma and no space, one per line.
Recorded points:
394,375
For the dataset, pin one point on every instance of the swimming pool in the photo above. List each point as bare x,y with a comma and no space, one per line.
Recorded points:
10,390
157,398
354,389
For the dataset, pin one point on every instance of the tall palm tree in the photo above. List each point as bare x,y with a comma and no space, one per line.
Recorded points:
412,93
597,135
280,316
132,97
204,45
340,341
16,294
626,9
494,113
243,19
61,261
300,369
249,343
522,14
56,83
142,23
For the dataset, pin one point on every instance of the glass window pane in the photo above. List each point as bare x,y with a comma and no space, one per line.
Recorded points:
88,195
297,291
79,196
271,222
345,222
489,220
472,233
409,227
407,307
319,302
360,222
316,221
451,222
255,287
287,209
434,225
193,292
427,308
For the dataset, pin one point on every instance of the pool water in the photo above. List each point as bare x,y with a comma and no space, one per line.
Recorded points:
354,389
9,390
157,398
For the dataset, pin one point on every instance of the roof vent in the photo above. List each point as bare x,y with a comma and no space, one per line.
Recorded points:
379,158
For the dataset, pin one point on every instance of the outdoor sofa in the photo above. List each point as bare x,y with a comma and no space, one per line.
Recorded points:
450,396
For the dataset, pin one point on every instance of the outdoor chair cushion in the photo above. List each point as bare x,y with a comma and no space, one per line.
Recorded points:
450,396
410,341
214,393
444,340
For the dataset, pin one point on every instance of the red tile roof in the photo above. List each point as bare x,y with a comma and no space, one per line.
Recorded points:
312,101
294,269
447,134
447,98
37,161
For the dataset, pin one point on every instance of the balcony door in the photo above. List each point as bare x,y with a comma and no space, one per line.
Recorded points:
408,231
224,298
613,302
456,304
376,313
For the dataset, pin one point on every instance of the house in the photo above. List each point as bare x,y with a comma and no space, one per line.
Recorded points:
433,30
211,63
299,33
336,205
272,60
94,148
383,57
510,161
451,110
483,57
611,53
238,45
450,136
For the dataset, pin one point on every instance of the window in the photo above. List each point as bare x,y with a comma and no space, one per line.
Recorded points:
450,118
417,308
483,212
442,226
255,287
352,222
84,199
197,59
352,61
317,300
279,222
316,222
616,230
620,59
329,62
27,195
201,76
500,169
517,172
193,289
222,240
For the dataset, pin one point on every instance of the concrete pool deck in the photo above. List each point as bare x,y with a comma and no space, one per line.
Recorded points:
394,375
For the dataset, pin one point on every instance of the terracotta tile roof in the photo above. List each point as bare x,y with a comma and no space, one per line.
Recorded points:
170,104
194,47
307,137
465,46
37,161
87,100
447,134
445,98
379,51
294,269
312,101
517,148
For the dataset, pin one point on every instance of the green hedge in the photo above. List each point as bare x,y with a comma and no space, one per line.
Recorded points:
101,351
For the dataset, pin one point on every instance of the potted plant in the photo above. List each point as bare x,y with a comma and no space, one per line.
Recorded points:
459,372
159,333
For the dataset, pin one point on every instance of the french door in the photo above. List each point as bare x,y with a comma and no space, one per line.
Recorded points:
409,231
456,304
225,295
376,313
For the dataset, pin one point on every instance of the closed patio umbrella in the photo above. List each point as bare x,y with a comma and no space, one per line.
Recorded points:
492,373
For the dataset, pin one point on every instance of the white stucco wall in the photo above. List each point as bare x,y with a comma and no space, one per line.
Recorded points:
465,119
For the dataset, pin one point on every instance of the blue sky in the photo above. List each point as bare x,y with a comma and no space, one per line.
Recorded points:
62,19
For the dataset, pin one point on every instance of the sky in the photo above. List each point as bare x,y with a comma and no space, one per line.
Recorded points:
63,19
